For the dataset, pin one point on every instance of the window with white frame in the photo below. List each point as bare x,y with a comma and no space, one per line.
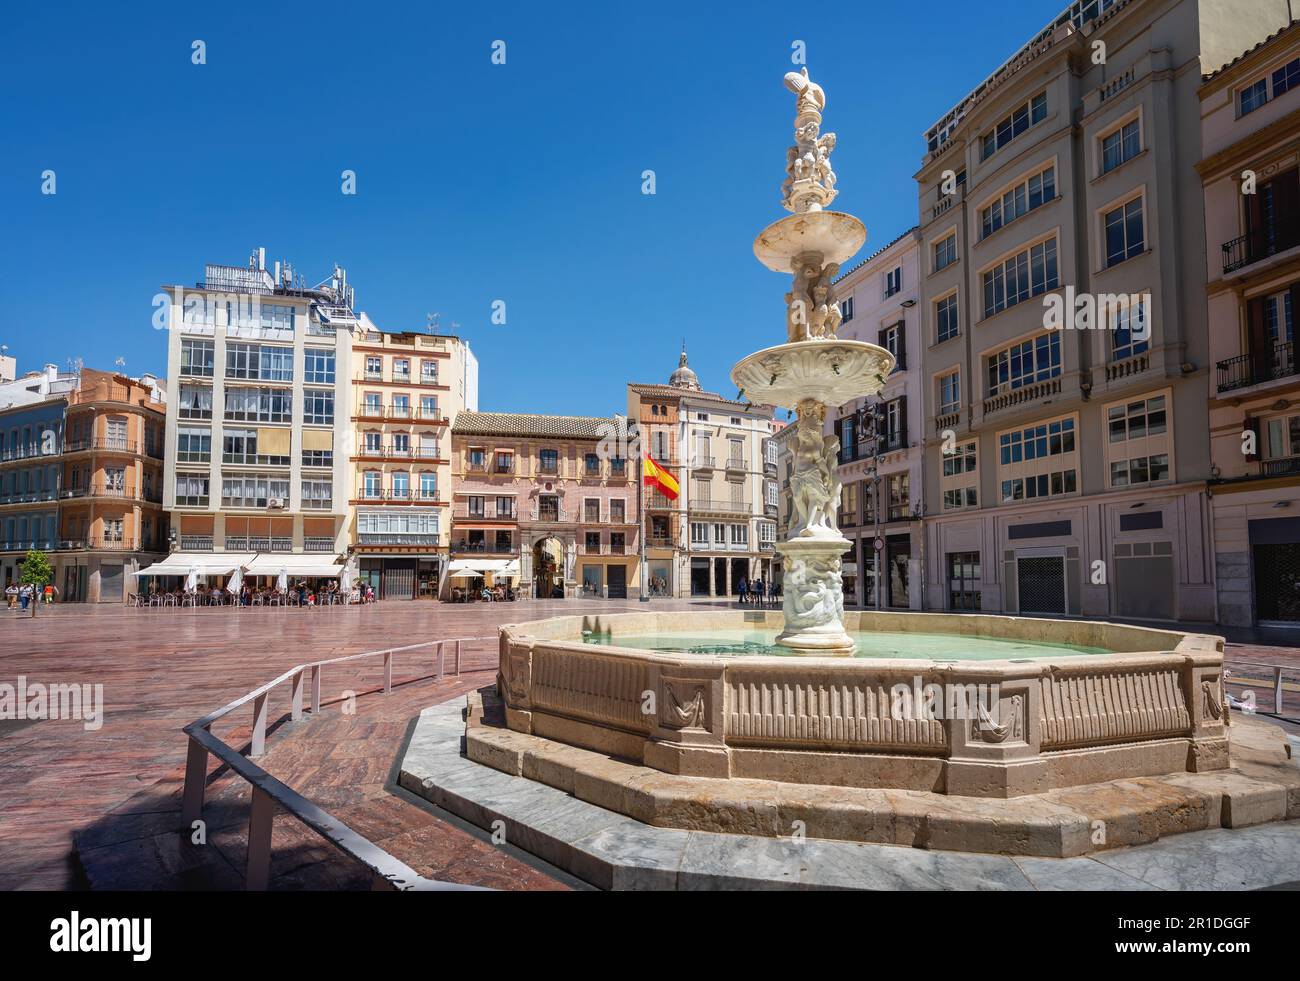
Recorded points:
945,252
1024,363
893,281
1017,122
1025,274
949,393
1138,441
740,535
1275,83
318,406
318,366
1039,460
699,533
1120,145
1130,333
1033,192
846,310
1123,232
945,318
316,493
960,481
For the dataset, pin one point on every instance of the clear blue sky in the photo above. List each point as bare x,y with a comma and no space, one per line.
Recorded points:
475,182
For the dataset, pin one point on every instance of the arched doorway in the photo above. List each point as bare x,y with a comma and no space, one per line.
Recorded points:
548,569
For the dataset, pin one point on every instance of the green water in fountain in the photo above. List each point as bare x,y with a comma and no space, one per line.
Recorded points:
931,647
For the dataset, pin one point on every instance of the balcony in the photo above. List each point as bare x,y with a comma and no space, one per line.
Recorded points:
899,512
1026,393
260,544
381,538
404,495
408,452
463,512
28,497
549,469
552,515
314,543
111,444
947,420
702,462
125,493
373,376
730,507
466,547
196,543
1249,369
100,543
1282,467
41,544
660,541
660,502
737,464
891,441
1128,367
1282,234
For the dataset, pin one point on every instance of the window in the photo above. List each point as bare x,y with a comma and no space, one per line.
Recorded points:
374,405
259,404
401,369
591,464
1136,420
372,483
894,341
316,493
1139,470
957,498
318,366
945,317
193,445
1020,277
429,407
253,490
945,252
740,535
382,525
846,310
617,511
401,408
1024,116
259,363
277,316
893,281
429,488
1121,145
699,533
240,446
1046,439
548,461
720,535
1123,230
964,580
1131,332
318,458
1037,191
195,402
318,406
949,393
401,485
505,461
429,372
197,358
1257,93
1033,360
374,367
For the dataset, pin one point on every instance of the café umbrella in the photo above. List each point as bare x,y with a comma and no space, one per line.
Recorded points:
236,581
192,580
282,583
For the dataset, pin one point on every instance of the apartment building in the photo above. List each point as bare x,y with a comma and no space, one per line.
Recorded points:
111,517
879,303
1250,169
32,410
407,391
1066,468
541,495
81,479
257,470
722,526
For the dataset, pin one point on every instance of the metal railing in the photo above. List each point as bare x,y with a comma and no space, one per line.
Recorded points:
1246,681
267,791
1282,234
196,543
1252,369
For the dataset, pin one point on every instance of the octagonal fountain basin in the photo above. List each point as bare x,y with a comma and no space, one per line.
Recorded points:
968,704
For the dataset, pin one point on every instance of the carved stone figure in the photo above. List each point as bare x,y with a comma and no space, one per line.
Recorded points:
815,484
810,182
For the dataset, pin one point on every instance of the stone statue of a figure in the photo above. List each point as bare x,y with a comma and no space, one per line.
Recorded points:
815,485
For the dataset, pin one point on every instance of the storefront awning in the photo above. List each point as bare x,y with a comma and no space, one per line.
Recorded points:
481,566
204,563
293,566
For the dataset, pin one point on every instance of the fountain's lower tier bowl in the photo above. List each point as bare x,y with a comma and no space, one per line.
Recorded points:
984,728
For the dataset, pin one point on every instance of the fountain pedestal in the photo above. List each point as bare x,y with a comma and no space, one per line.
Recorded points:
813,596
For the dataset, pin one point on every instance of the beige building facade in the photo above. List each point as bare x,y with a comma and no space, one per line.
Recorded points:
1251,161
722,526
257,439
1066,457
407,391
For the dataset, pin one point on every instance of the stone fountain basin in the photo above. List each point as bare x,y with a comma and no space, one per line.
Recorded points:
1153,706
831,371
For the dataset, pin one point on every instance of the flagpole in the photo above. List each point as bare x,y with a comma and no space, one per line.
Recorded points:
645,582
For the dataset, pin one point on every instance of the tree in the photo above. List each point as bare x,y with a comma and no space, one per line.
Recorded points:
37,573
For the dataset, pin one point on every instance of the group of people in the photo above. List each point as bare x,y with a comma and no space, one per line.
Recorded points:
299,594
24,594
500,593
756,592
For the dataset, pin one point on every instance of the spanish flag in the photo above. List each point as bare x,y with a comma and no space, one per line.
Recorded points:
653,475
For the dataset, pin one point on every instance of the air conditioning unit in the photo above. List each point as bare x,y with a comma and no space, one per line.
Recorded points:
277,503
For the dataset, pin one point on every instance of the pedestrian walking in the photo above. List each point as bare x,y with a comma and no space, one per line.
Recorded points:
744,590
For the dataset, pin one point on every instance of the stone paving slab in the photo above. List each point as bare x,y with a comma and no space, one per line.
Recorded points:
612,851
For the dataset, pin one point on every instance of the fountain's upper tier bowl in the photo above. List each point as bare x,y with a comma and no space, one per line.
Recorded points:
834,234
832,371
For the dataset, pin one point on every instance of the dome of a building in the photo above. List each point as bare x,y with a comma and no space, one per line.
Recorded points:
684,377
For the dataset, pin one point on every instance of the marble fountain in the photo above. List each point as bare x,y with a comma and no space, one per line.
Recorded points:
868,726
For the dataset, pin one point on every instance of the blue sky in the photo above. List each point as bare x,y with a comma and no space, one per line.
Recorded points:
475,182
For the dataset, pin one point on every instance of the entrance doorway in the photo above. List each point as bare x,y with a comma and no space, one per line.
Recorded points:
548,569
1040,584
899,551
399,579
739,571
719,577
1277,583
618,582
699,577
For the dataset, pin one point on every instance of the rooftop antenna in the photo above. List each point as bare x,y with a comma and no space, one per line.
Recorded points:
432,320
